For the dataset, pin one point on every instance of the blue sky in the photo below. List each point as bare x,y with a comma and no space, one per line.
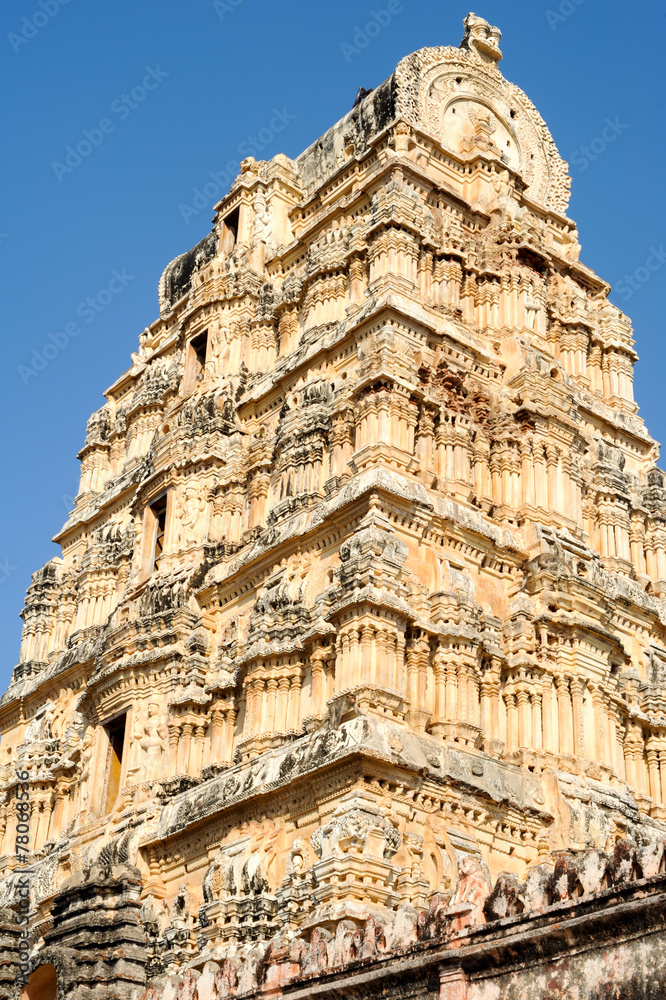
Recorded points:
161,93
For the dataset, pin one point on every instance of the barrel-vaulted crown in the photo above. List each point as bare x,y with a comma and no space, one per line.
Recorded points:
459,97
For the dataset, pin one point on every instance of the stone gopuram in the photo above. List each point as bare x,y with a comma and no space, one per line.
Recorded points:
351,678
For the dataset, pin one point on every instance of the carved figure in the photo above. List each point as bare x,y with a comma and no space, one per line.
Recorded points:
191,506
152,742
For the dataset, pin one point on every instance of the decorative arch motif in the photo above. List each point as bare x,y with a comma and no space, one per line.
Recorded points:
433,81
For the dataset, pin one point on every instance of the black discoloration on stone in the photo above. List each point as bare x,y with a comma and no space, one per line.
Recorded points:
177,278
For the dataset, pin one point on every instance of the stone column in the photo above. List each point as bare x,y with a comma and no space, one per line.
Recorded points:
318,660
355,666
496,477
552,465
184,747
540,476
511,721
173,729
357,279
381,640
282,717
338,667
452,984
527,473
412,673
425,275
620,755
653,773
564,715
425,444
577,708
228,741
473,704
270,704
537,731
439,670
217,734
197,753
462,714
294,710
411,421
636,541
547,713
632,774
368,672
600,719
451,691
486,710
524,735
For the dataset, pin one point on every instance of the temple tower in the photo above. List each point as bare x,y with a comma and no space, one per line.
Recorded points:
354,662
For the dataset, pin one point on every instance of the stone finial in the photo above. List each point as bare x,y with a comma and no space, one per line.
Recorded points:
482,38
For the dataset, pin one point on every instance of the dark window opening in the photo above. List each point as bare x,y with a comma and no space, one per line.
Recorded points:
199,347
230,231
115,732
42,984
159,513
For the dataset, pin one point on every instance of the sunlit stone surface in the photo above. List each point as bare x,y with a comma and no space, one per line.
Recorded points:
350,679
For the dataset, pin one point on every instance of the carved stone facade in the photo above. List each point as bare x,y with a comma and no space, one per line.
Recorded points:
351,679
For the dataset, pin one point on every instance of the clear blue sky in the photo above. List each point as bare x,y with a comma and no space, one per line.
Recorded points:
209,76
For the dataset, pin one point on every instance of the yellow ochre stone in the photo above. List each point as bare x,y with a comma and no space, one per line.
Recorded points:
360,606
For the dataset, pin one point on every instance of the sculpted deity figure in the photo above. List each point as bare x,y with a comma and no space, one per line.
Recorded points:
220,352
191,506
262,219
85,759
180,910
72,740
40,727
473,886
152,742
